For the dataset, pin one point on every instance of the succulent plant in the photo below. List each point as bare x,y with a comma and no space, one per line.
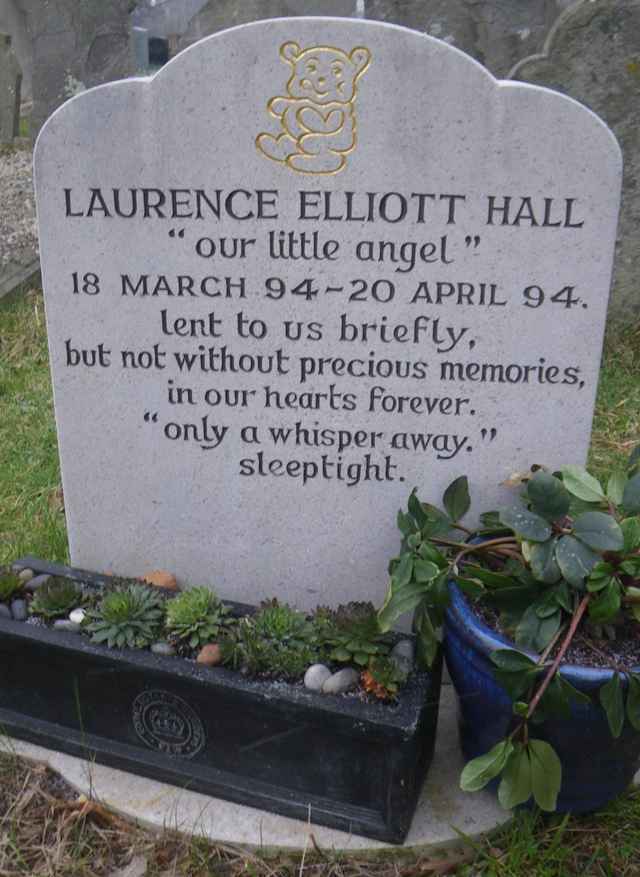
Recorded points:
353,633
131,616
56,598
382,678
196,617
276,641
10,584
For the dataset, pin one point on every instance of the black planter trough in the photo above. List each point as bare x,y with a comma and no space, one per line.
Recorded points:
335,760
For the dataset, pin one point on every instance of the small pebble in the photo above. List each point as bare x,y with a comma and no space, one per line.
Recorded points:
5,612
316,676
210,655
163,649
19,610
34,583
66,625
77,616
343,680
26,575
161,579
403,655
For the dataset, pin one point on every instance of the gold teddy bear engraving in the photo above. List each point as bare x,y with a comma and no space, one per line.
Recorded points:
317,119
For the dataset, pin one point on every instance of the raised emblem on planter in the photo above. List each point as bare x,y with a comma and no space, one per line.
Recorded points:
167,723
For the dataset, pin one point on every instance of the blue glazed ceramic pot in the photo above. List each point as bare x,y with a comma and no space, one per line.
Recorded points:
595,767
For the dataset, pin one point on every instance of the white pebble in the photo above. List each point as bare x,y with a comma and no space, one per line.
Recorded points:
316,676
343,680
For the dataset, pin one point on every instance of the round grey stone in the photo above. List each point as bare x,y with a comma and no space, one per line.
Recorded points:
403,655
77,616
163,649
66,625
34,583
343,680
5,612
19,610
316,676
26,575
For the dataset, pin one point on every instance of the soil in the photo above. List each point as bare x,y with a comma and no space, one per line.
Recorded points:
586,649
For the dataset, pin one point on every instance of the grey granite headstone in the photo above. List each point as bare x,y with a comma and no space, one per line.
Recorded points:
10,81
310,265
593,55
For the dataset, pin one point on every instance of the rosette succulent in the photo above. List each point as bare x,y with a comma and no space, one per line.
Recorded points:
197,617
56,598
127,617
10,584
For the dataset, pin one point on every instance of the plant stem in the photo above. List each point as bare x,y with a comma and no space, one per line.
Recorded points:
503,540
575,621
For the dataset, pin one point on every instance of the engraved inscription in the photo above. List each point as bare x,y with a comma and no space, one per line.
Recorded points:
317,120
165,722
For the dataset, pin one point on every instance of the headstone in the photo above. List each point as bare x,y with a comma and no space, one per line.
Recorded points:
140,36
593,55
10,81
347,262
495,32
75,45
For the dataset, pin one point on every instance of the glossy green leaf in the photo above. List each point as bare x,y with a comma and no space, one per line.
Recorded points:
611,698
405,523
536,633
456,498
546,774
631,496
598,584
631,533
427,641
615,487
479,771
515,786
544,565
509,659
548,496
471,587
633,700
488,577
606,605
526,524
424,570
575,560
404,570
399,600
427,551
599,531
415,509
437,523
581,484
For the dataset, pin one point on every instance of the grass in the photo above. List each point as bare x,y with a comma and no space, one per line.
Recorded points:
46,830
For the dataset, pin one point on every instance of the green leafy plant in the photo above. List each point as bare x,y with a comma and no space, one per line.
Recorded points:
56,598
277,641
352,633
196,617
383,678
565,559
10,584
131,616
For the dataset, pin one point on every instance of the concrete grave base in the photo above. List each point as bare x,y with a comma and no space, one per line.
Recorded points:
442,814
